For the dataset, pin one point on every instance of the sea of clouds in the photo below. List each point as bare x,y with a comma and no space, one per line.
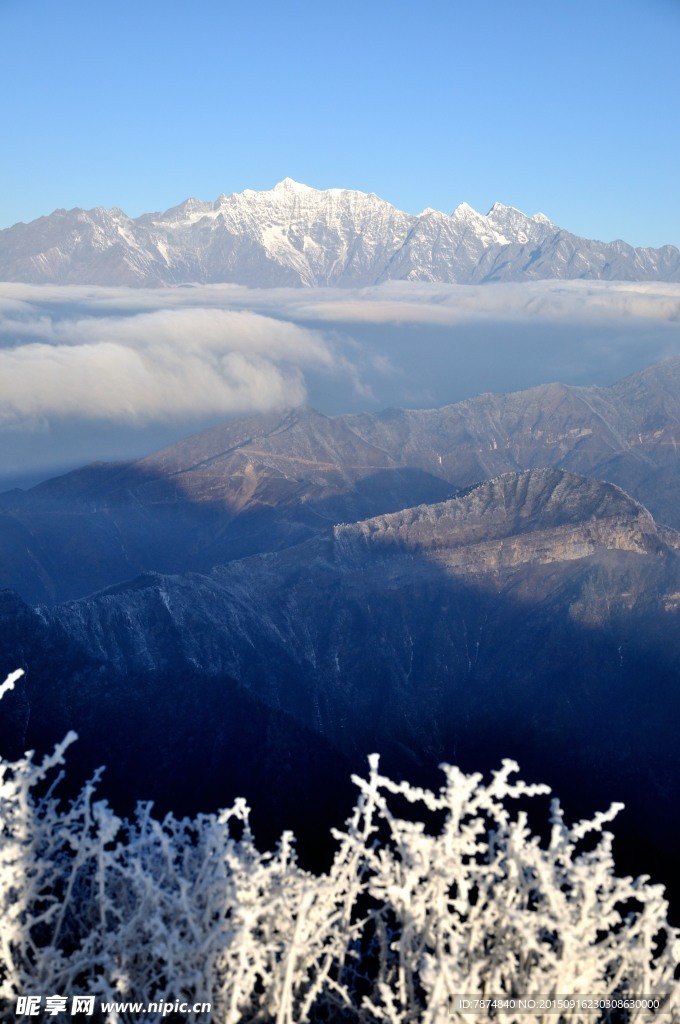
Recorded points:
89,372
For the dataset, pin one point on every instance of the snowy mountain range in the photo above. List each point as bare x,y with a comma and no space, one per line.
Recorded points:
294,235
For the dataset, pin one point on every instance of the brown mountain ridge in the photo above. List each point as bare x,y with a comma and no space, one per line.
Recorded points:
269,481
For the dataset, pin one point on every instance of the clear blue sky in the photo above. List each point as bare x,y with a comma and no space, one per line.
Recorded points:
565,106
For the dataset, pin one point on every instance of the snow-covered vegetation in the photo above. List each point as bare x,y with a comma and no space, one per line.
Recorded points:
430,896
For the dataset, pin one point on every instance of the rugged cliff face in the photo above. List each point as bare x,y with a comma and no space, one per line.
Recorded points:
530,518
267,482
535,616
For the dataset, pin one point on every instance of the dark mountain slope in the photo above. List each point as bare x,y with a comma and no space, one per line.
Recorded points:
535,617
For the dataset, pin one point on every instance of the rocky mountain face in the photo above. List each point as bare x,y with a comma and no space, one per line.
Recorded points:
534,616
299,236
267,482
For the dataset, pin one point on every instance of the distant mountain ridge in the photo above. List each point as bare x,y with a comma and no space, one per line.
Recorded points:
269,481
294,235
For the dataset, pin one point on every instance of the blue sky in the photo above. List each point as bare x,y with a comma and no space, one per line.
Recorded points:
566,107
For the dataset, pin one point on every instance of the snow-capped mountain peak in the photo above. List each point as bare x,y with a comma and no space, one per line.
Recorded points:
465,210
290,185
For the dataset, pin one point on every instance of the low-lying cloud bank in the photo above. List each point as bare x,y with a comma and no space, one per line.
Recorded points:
390,302
159,365
130,358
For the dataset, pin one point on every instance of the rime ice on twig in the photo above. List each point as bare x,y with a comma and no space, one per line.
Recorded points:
10,681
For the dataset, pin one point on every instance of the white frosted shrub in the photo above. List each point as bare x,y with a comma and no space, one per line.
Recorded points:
456,898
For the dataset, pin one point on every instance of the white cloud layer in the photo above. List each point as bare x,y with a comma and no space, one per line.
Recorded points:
575,301
389,302
84,371
152,366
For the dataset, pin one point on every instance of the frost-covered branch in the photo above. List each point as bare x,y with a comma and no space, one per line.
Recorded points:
454,896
